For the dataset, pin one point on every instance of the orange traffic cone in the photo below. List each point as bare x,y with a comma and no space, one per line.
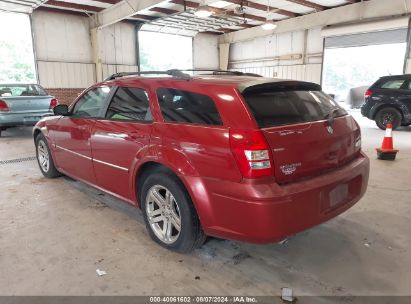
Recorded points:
387,151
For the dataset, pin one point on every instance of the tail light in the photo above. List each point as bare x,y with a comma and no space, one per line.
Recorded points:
368,93
3,106
252,153
357,143
357,135
54,102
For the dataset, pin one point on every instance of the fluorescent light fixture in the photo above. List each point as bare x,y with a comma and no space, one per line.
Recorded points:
220,4
203,12
269,25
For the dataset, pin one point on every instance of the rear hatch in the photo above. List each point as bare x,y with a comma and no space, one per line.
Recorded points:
308,133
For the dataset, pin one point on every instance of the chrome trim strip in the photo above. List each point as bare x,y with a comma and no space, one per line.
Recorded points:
111,165
75,153
96,160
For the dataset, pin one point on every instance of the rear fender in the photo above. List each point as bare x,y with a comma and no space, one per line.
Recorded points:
399,106
172,159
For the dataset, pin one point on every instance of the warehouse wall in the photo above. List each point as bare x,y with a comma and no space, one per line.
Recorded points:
64,52
205,51
294,55
118,48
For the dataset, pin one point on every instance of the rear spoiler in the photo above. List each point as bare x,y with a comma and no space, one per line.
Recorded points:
270,85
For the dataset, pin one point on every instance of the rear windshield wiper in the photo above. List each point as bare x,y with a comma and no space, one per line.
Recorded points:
331,114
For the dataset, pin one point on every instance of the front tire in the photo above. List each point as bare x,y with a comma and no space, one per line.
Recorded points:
44,158
387,115
169,213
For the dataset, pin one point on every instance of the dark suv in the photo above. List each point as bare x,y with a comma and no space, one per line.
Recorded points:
389,100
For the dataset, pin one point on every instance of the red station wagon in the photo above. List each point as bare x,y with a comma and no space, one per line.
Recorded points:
222,154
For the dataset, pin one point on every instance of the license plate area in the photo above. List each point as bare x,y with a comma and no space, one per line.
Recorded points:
32,118
341,194
338,195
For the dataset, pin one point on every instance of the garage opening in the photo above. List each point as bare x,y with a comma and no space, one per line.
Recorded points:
353,62
159,51
16,49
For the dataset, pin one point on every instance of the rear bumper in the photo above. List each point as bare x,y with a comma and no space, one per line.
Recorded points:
21,119
366,109
264,212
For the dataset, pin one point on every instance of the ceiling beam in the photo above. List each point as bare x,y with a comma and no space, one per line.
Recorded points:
210,33
121,10
246,16
246,25
262,7
189,4
163,10
310,4
61,11
220,11
108,1
144,17
75,6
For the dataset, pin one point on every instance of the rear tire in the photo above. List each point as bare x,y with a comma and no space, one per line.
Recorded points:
169,213
386,115
44,158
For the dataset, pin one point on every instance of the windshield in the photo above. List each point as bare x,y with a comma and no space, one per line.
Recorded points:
9,90
283,107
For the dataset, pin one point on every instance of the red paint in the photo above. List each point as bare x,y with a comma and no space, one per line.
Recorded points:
307,163
54,102
368,93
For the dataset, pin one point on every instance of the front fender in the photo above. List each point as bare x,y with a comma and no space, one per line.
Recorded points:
43,126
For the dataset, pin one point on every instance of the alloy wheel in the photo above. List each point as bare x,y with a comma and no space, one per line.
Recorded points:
163,214
387,118
43,156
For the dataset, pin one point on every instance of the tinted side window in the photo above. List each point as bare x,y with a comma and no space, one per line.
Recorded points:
129,104
392,84
187,107
91,103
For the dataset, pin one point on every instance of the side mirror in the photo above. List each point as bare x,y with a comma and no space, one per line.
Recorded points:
61,109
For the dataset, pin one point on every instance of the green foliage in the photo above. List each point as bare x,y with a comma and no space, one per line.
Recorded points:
16,62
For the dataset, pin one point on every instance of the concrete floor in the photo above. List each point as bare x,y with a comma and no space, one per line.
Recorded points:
54,234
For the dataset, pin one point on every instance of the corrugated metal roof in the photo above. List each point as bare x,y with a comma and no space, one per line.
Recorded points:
19,6
170,16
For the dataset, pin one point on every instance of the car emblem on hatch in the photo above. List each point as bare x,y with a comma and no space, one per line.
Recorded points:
330,129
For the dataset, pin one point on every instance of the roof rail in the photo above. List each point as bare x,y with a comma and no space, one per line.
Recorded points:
179,73
223,72
173,72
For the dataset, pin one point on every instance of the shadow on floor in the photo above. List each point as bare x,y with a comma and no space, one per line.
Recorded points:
17,132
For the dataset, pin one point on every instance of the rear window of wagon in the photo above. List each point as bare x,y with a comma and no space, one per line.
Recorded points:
285,105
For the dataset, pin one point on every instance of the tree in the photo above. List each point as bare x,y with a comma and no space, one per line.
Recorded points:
16,62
